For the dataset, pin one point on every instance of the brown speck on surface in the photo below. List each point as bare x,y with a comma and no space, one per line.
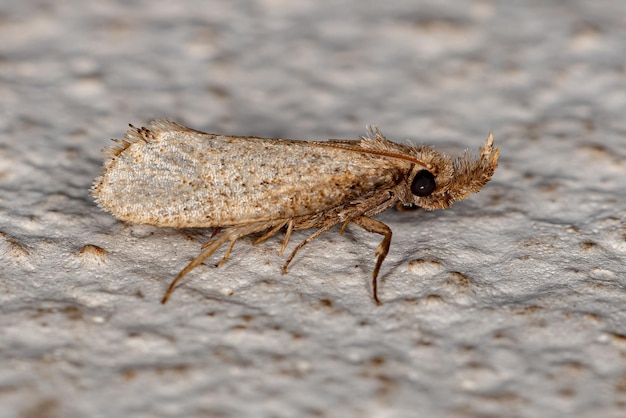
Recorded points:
15,247
460,279
72,312
588,245
433,299
129,374
619,338
92,252
326,303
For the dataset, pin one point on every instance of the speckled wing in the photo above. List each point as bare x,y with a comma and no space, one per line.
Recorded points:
169,175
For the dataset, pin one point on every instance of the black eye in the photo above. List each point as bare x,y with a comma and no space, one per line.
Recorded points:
423,183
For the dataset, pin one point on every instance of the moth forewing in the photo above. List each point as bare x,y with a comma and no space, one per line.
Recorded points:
169,175
184,178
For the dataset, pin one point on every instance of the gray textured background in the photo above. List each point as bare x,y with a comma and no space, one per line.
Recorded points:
508,304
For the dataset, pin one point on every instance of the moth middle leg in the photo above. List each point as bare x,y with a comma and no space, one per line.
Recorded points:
305,242
377,227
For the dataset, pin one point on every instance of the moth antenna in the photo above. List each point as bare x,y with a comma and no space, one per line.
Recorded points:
379,152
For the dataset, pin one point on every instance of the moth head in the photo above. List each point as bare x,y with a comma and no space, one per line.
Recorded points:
446,181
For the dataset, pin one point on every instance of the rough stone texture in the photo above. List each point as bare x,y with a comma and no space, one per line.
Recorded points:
509,304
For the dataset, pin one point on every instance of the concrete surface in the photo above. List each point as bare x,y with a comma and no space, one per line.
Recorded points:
508,304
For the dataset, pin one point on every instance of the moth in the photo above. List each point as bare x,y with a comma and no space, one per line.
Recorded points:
169,175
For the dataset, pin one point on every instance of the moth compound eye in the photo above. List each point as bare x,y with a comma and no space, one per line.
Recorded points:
423,183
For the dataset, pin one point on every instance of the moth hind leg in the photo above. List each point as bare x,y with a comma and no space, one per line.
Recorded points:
270,232
273,230
227,253
287,236
377,227
231,235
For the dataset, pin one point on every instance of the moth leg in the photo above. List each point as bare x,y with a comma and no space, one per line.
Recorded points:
305,242
287,236
271,232
208,249
406,208
377,227
227,253
230,234
344,226
216,231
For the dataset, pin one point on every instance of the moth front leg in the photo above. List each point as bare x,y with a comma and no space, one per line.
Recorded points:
377,227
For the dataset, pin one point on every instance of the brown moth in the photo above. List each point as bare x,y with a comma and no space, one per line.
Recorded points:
171,176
